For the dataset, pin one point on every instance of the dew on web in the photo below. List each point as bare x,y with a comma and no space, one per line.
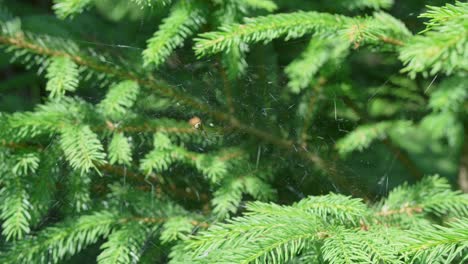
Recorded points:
378,90
152,197
431,83
383,182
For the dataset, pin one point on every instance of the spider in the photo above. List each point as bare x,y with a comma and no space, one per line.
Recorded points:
196,122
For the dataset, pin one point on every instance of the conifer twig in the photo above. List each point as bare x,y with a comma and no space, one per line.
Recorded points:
113,169
160,187
409,210
164,88
392,41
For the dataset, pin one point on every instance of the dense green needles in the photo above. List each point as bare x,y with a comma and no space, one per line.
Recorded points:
233,131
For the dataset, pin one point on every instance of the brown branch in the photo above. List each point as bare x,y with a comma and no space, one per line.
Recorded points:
232,155
406,209
392,41
144,128
16,145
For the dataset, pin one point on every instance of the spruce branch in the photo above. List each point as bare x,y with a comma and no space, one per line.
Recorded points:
214,166
379,29
445,124
152,220
318,52
423,222
124,245
185,18
226,199
46,119
265,29
438,16
119,99
265,233
294,25
430,195
178,227
151,84
127,172
67,8
152,3
63,76
20,42
341,248
405,209
438,243
120,150
334,207
162,189
15,209
255,238
364,135
57,242
233,61
25,164
376,245
267,5
447,103
362,4
450,95
42,187
82,148
78,194
443,45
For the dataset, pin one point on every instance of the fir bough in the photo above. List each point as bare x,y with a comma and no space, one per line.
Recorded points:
222,131
340,230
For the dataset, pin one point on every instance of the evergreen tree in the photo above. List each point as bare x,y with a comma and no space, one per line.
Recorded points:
234,131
